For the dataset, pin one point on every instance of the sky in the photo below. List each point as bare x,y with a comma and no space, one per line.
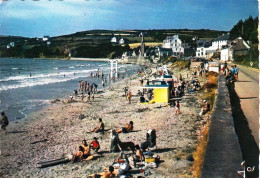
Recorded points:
36,18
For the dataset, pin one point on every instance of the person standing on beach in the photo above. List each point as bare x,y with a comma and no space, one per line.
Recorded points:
86,84
87,88
4,122
129,96
125,90
79,84
177,108
89,96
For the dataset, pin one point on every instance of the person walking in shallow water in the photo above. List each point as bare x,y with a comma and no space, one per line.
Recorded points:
4,121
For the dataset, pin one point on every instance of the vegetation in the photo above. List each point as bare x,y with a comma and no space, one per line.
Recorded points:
209,93
251,56
180,64
248,30
94,43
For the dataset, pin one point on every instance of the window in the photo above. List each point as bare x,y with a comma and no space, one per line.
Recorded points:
176,49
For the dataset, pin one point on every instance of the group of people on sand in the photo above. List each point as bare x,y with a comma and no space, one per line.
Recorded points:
123,163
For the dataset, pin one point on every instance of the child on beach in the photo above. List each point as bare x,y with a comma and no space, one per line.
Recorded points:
177,108
4,121
94,144
129,96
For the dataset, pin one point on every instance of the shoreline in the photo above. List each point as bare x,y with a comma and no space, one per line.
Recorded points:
58,130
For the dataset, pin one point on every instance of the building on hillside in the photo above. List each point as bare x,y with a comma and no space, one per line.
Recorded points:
238,48
163,52
12,44
121,41
204,49
48,42
224,54
45,38
114,40
174,43
222,40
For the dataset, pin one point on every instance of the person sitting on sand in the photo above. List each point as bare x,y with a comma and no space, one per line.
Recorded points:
86,148
100,127
94,144
139,156
205,108
128,128
83,153
4,121
123,167
79,155
142,99
106,174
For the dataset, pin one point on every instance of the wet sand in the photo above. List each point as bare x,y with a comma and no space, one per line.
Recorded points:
57,129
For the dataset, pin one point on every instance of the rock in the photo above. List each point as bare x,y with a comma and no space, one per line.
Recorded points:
55,101
81,116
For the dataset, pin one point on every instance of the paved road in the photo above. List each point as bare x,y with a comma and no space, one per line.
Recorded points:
247,89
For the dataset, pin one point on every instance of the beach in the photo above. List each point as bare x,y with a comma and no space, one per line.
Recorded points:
55,130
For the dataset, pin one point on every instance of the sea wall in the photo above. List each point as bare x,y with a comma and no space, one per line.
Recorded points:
223,155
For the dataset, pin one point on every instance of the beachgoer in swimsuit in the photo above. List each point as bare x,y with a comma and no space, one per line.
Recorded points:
107,174
100,127
128,128
139,156
129,96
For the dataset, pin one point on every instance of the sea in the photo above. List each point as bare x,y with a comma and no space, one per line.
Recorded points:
28,85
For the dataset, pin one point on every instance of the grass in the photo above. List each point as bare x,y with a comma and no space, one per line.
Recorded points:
181,64
209,93
199,154
152,44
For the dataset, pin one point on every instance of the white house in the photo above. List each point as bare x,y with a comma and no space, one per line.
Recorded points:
222,40
224,55
45,38
174,43
48,42
12,44
122,41
114,40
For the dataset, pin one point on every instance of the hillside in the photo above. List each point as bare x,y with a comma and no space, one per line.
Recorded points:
89,43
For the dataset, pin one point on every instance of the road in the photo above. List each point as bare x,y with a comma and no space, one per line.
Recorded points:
247,89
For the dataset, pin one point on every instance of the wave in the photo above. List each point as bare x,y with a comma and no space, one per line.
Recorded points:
37,76
42,79
56,68
14,68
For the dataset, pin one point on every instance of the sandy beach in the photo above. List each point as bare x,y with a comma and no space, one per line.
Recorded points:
57,129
